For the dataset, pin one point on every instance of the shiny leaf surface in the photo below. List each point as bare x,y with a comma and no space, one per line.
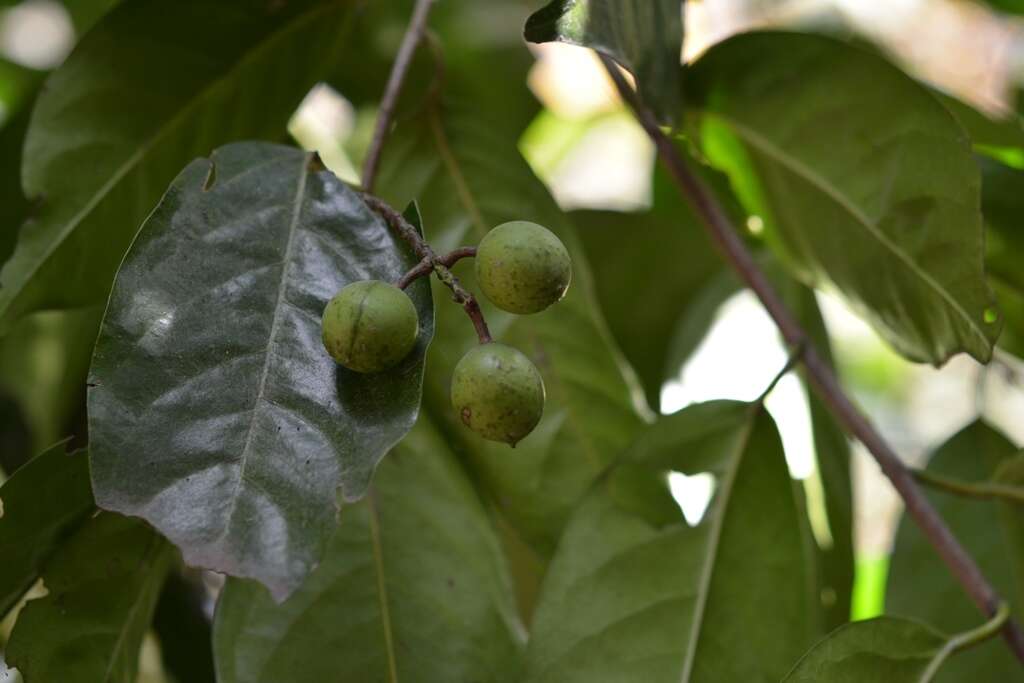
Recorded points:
216,414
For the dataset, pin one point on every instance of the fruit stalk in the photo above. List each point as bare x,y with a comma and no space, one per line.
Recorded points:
822,378
423,250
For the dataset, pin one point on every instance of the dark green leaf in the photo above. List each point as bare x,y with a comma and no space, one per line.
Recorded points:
40,505
184,630
649,268
102,588
920,585
1012,6
634,594
644,36
468,177
18,89
883,649
151,87
1003,205
413,587
1011,472
216,414
871,186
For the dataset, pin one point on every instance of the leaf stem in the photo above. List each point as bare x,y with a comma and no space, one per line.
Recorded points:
413,35
791,363
984,490
438,264
823,379
967,639
425,267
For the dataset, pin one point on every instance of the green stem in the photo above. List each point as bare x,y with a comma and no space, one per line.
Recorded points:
983,490
967,639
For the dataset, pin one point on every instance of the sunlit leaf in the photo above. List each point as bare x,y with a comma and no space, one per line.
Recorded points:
921,586
413,587
644,36
40,505
215,412
871,187
102,588
151,87
635,594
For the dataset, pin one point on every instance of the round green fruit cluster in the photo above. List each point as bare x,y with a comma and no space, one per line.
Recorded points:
370,326
497,391
523,267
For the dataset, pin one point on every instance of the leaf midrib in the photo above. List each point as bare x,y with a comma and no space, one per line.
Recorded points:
130,163
293,227
723,496
803,171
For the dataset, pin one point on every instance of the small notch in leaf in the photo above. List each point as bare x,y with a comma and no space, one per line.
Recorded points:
211,177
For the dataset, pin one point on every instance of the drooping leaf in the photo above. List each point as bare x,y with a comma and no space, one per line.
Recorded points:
883,649
644,36
649,267
216,414
919,584
633,593
151,87
413,587
468,177
40,506
102,588
871,187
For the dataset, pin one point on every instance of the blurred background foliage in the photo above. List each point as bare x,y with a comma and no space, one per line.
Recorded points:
687,331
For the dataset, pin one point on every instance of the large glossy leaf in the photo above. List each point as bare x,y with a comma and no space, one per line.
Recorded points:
883,649
102,588
468,176
215,413
635,594
871,187
644,36
919,584
413,587
42,504
151,87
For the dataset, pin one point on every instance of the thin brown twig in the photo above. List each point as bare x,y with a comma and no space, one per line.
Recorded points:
413,35
425,267
423,250
823,378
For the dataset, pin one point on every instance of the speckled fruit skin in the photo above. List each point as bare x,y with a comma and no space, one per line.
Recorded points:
370,326
498,392
522,267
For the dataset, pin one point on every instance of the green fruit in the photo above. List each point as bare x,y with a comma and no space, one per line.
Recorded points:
370,326
522,267
498,392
